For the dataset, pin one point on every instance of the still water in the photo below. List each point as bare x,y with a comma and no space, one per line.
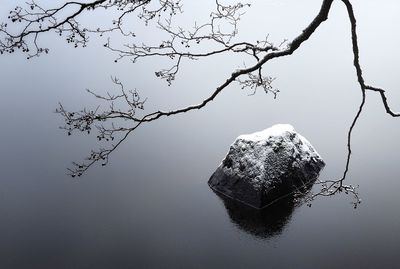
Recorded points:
152,208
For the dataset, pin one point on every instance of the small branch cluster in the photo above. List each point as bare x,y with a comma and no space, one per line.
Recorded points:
330,188
255,81
64,20
195,43
122,106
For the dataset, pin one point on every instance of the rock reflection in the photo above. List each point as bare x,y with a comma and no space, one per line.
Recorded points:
262,223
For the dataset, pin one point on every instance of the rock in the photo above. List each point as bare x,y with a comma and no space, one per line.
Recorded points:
265,166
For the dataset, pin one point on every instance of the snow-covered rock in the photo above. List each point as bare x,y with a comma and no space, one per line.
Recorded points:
264,166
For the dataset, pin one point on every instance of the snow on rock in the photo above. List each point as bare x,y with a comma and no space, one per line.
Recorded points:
264,166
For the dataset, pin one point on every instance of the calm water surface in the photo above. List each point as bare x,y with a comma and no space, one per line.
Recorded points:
152,208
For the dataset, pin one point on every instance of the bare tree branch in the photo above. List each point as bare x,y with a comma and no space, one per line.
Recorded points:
331,187
215,37
89,118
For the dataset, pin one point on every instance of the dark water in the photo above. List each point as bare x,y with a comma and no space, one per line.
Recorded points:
152,208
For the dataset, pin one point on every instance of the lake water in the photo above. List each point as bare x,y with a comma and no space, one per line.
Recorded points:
152,207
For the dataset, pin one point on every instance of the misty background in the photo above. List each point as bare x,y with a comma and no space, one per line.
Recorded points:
151,206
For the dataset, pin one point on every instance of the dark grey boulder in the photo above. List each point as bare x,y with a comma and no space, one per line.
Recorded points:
265,166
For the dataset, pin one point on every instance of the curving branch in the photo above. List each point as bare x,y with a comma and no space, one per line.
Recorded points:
103,154
331,187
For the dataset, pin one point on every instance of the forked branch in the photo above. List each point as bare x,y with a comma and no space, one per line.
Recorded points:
331,187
